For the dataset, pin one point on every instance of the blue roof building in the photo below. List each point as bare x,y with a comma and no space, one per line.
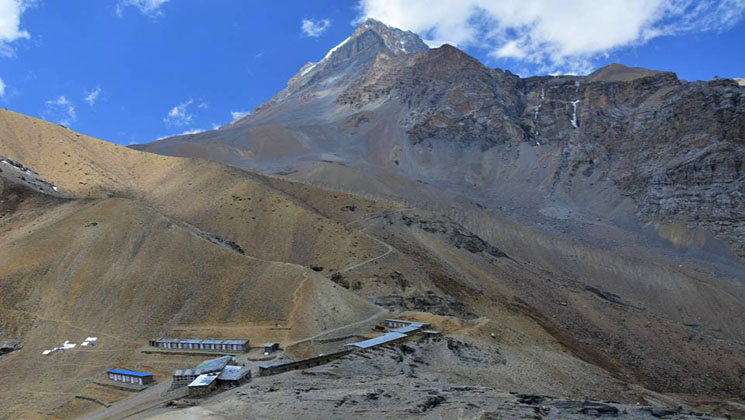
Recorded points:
130,376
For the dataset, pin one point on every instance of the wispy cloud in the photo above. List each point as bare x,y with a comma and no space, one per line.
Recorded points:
237,115
192,131
2,87
11,12
180,115
60,110
315,28
183,133
149,8
565,36
92,96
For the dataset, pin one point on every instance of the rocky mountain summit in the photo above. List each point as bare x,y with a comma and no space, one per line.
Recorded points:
343,63
621,143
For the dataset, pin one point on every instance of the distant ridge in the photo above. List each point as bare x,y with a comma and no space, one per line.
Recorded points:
619,73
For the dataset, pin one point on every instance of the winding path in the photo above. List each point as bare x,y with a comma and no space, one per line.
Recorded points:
378,314
383,255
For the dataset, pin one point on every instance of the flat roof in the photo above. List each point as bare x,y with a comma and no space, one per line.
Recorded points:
407,329
277,363
269,344
421,324
385,338
232,373
203,380
203,340
186,372
129,372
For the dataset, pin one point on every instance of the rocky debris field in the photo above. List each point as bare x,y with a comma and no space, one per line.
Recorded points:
391,383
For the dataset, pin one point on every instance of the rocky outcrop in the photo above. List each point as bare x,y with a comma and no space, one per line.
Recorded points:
453,233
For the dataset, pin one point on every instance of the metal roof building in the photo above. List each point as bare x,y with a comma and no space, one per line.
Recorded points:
275,364
184,372
204,380
209,344
398,323
233,374
203,385
409,329
387,338
129,372
130,376
214,365
271,347
182,377
287,365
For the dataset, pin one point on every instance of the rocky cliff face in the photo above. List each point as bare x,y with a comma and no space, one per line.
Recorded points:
677,148
381,98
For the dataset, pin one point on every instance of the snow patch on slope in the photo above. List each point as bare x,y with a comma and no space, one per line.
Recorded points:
333,50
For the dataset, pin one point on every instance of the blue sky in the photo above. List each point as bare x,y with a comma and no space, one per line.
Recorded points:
132,71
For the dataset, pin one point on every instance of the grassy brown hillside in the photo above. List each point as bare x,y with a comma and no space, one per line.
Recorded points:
111,260
123,272
228,202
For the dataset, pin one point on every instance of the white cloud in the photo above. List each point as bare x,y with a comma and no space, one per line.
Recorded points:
179,115
315,28
149,8
565,35
183,133
237,115
192,131
92,96
60,110
2,87
10,24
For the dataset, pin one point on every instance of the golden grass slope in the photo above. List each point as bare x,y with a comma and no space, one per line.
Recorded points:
106,263
115,269
231,203
127,257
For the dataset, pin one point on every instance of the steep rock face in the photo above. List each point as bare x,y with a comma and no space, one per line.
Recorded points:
677,148
382,99
449,96
343,63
